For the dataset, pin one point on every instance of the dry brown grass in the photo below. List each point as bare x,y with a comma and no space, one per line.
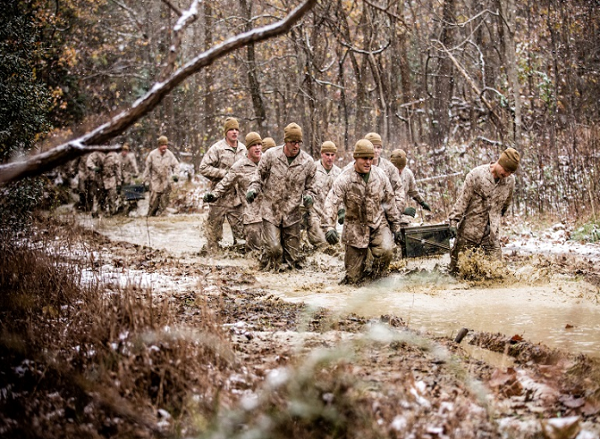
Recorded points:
80,359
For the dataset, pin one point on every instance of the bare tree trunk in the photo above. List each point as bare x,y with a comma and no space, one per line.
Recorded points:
209,100
257,101
443,82
507,26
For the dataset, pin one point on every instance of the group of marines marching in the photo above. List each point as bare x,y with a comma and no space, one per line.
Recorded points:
269,193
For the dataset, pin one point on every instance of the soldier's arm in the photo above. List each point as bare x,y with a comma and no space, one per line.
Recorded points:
398,189
264,169
209,166
413,192
310,185
463,201
148,169
390,207
226,183
332,202
508,200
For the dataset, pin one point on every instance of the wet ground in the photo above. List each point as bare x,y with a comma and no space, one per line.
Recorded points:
538,301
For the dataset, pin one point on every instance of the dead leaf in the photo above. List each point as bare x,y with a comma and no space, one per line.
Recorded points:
506,383
567,326
561,428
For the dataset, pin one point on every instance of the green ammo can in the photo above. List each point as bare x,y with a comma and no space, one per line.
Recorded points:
423,241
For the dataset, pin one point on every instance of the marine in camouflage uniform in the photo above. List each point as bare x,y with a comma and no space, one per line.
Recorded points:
161,168
94,164
111,180
129,172
215,164
129,167
483,201
372,220
239,177
85,185
390,170
398,159
326,173
285,178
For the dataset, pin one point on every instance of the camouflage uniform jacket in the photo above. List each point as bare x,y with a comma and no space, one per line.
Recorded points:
283,185
323,183
410,185
480,204
159,170
393,176
239,176
111,170
215,164
94,161
392,173
368,205
129,167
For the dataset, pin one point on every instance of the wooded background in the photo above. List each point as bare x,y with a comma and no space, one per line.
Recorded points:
452,82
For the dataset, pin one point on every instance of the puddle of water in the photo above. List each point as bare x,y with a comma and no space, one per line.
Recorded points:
550,313
437,304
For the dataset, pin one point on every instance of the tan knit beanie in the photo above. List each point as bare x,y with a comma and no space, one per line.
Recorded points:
252,139
231,123
364,149
292,133
374,138
509,159
328,146
398,158
268,143
162,140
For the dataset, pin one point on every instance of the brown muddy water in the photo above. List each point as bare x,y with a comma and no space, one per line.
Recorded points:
559,311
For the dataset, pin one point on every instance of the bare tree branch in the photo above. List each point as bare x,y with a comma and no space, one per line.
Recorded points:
61,154
173,7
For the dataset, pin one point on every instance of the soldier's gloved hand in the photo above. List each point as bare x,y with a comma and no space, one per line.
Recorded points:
146,186
97,169
410,211
453,231
341,215
307,200
250,195
119,188
332,236
425,206
209,197
175,178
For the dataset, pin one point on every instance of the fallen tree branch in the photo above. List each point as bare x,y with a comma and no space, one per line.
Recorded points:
61,154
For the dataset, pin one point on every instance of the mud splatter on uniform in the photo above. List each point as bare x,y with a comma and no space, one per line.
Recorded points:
478,211
158,173
215,164
370,212
283,185
238,178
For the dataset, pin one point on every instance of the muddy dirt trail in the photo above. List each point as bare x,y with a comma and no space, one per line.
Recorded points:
539,300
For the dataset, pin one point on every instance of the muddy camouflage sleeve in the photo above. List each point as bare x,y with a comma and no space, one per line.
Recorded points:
463,201
209,166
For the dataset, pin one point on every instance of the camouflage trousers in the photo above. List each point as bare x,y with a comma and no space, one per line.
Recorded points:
158,202
254,238
490,247
112,200
314,232
381,246
281,244
215,220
